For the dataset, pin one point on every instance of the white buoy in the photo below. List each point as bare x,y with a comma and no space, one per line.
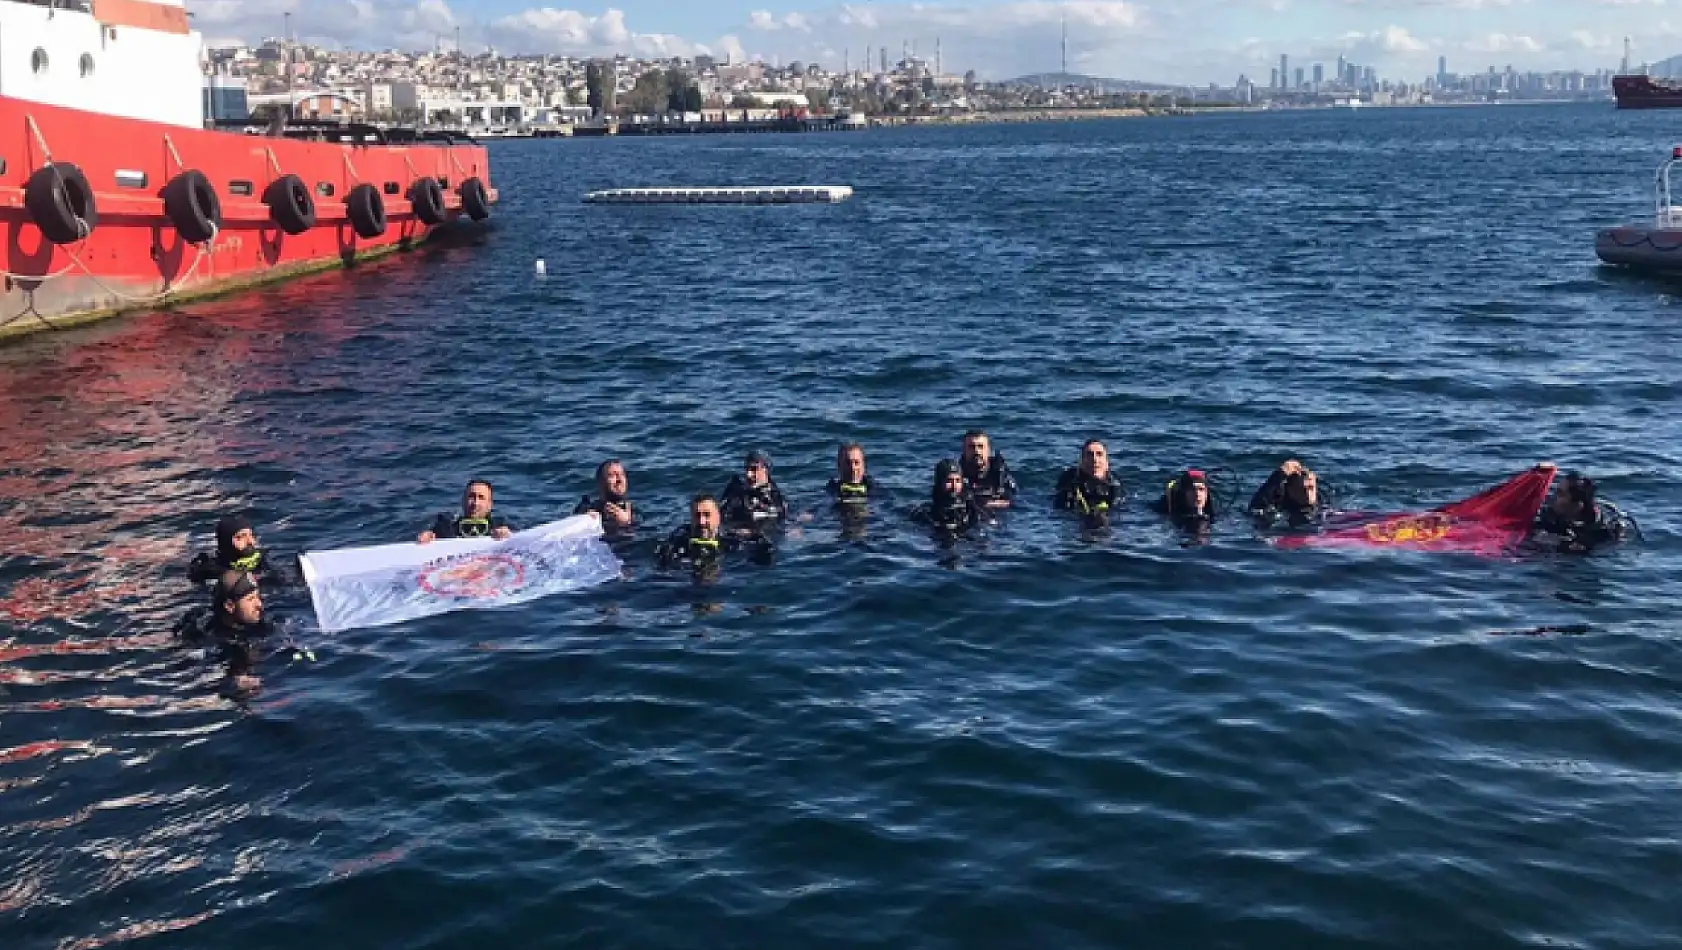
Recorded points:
541,270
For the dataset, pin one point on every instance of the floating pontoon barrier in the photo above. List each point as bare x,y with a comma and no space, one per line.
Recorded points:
757,195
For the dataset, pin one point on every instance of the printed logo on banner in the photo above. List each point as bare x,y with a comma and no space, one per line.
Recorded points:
474,576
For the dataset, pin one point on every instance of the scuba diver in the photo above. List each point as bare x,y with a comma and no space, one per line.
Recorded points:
985,474
1187,500
753,497
1578,519
236,550
1292,492
612,502
952,510
234,626
1089,489
700,545
475,520
851,485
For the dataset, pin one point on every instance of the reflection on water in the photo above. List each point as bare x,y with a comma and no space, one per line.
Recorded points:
1040,735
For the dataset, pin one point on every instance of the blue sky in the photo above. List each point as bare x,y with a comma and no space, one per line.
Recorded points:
1187,41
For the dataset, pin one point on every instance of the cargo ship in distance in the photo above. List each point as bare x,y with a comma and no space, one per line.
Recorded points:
1644,92
115,196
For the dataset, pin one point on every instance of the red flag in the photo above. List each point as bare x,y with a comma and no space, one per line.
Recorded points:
1489,522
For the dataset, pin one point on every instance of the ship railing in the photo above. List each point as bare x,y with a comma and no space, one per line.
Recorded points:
75,6
361,133
1666,214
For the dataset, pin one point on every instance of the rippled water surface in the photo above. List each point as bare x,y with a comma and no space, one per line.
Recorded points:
1037,739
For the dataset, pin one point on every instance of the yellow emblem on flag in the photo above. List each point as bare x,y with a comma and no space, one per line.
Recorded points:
1420,530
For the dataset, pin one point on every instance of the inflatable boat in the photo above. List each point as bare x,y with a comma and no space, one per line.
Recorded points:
1654,245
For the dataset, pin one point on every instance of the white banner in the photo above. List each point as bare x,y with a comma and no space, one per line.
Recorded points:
390,583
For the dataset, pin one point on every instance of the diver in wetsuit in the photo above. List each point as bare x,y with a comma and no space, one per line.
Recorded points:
701,545
952,510
1088,489
1576,518
234,626
612,502
1187,500
852,487
236,550
1292,492
752,498
475,520
985,473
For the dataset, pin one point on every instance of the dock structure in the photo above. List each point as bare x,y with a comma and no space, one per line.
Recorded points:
755,195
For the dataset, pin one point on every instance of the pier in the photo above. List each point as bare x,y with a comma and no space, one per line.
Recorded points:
757,195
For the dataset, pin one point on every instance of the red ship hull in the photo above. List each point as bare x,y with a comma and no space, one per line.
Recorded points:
135,258
1644,92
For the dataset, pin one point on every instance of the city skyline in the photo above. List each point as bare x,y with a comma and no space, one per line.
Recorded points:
1189,42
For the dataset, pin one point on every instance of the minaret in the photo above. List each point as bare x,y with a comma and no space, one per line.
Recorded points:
937,71
1623,68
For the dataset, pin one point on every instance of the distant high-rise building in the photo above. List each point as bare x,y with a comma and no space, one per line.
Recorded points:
1319,73
1301,79
1342,68
1284,69
1273,78
1442,69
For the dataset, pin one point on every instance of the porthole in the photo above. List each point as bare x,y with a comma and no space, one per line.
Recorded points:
38,61
87,65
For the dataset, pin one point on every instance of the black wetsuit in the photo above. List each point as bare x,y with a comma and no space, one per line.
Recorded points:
1583,534
1270,502
742,505
208,567
684,549
599,506
950,514
448,525
237,645
854,493
1088,495
995,484
1175,503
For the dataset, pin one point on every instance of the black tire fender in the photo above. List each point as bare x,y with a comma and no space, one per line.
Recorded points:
191,204
291,204
475,200
61,203
426,197
365,207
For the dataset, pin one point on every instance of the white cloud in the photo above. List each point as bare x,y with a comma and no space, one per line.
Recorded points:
1590,41
1504,43
1396,39
1390,40
766,22
1452,4
549,30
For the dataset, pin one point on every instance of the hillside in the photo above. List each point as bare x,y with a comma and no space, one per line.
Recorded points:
1097,83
